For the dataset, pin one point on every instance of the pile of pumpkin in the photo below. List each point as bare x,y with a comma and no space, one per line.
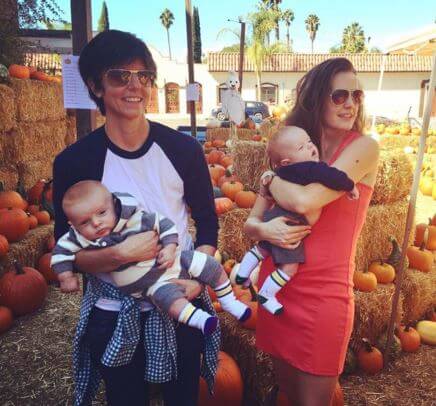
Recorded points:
26,72
228,191
21,211
427,182
401,129
23,289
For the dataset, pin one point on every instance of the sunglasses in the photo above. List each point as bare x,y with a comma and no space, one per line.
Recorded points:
340,96
122,77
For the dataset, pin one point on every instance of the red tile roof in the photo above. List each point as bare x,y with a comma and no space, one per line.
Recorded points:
44,61
222,62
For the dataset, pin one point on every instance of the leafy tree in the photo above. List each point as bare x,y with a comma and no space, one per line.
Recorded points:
312,25
103,21
375,50
288,17
353,39
272,5
167,19
231,48
197,36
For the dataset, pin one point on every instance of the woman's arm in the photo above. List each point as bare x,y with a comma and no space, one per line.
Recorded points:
358,160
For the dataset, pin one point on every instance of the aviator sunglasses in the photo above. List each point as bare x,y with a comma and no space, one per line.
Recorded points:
340,96
122,77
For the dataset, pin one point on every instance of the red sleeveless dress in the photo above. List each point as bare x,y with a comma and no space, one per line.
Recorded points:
313,331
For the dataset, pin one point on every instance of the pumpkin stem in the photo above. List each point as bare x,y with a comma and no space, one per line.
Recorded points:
366,345
18,268
422,246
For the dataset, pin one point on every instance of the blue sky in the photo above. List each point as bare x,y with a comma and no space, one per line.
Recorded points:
382,20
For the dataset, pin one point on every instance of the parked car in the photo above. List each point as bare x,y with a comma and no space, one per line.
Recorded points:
254,109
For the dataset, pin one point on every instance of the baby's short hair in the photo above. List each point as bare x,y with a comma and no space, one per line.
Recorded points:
80,191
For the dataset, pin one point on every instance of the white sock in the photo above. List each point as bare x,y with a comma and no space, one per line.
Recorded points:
229,302
273,284
198,318
271,304
249,262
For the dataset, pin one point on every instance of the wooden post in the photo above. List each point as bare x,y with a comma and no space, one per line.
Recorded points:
241,55
188,12
411,210
81,22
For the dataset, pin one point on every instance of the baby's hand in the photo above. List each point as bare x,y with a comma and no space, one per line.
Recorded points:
167,256
354,194
70,284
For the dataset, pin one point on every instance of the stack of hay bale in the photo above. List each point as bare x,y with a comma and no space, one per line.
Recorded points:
221,133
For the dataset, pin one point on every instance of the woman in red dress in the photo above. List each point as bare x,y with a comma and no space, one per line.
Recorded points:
309,340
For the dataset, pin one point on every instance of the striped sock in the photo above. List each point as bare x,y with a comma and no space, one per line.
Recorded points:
249,262
229,302
195,317
269,289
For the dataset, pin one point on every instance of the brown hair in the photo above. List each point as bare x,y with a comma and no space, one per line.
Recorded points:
82,190
313,89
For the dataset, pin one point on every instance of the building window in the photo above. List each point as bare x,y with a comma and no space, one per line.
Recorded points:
269,93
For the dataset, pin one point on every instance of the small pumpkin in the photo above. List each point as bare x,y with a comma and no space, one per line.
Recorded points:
38,75
427,331
409,338
216,171
6,319
19,71
14,224
420,258
223,205
34,194
256,137
364,281
4,246
369,358
33,208
10,198
227,177
230,189
384,272
215,156
426,185
218,143
207,145
226,161
245,199
43,217
426,232
45,269
23,289
228,265
33,221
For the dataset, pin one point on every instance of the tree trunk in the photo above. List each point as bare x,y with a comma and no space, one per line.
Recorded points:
169,45
268,41
277,33
312,45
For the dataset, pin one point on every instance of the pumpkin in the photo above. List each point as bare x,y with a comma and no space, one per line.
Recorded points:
369,358
207,144
38,75
222,205
395,345
14,224
226,161
427,331
33,221
43,217
256,137
34,194
426,186
23,289
245,199
228,265
409,338
32,208
230,189
216,171
45,269
11,198
228,387
364,281
427,233
250,124
218,143
419,258
50,244
227,177
384,272
215,156
4,246
6,319
19,71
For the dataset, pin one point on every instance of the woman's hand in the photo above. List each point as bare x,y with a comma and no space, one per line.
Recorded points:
191,287
278,232
140,247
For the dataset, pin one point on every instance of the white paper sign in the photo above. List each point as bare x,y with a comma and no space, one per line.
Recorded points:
76,94
193,92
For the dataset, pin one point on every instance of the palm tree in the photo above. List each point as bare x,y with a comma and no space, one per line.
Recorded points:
353,39
288,17
312,25
167,18
274,6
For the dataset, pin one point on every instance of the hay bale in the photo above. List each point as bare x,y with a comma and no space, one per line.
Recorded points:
231,238
8,151
9,176
7,108
394,177
217,134
30,172
245,133
29,249
249,162
419,291
382,221
71,131
268,127
398,141
256,366
372,313
38,101
431,141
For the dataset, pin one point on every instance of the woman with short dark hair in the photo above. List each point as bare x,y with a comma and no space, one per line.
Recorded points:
125,342
308,341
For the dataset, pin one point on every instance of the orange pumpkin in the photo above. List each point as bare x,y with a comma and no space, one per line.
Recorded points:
384,272
216,171
364,281
226,161
23,289
215,156
207,144
45,268
223,205
228,265
256,137
426,232
6,319
218,143
33,221
38,75
4,246
14,224
230,189
228,387
19,71
245,199
409,338
227,177
43,217
419,258
34,194
11,198
369,358
33,208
